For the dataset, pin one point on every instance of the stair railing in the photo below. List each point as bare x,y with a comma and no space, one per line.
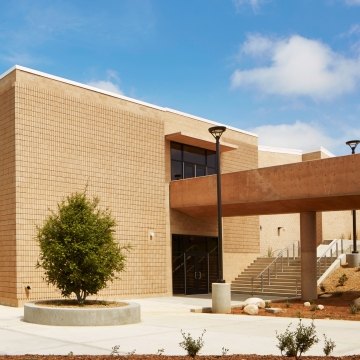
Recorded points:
326,257
272,268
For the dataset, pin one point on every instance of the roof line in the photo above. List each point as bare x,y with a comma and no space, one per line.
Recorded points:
123,97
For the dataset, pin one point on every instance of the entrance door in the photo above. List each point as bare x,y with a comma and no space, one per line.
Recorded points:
197,273
194,263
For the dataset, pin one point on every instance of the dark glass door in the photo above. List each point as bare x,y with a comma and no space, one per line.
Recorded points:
194,263
197,273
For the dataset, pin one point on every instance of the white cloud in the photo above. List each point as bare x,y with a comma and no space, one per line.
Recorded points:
352,2
106,85
255,4
110,84
297,66
257,45
299,135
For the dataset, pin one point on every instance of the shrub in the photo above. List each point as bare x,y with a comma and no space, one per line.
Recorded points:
191,345
77,247
329,346
295,343
342,280
354,309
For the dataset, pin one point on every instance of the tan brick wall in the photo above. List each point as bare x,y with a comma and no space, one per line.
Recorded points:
272,239
338,224
314,155
67,137
273,158
65,142
7,193
240,234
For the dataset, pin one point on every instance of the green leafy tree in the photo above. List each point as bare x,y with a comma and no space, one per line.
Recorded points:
78,251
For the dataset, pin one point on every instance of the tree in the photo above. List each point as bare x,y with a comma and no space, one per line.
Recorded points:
78,250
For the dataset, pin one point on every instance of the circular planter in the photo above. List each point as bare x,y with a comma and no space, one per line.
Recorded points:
125,313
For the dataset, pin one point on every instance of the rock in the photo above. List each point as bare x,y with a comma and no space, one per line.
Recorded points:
307,304
356,302
274,310
239,305
324,296
320,307
255,301
251,309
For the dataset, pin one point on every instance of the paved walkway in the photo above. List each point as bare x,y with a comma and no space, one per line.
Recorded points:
163,318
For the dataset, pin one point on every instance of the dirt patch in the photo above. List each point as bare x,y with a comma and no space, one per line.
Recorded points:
165,357
67,303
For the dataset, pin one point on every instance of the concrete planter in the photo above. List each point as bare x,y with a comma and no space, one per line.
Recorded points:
128,313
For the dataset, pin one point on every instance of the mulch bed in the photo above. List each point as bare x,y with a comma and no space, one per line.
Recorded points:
165,357
337,307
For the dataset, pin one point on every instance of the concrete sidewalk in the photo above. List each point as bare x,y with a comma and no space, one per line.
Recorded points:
163,318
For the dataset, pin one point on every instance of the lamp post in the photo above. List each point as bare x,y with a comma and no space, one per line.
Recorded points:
216,132
353,144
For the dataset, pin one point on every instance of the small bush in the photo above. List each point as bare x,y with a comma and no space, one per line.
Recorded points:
191,345
295,343
267,304
313,307
329,346
224,351
353,309
115,350
342,280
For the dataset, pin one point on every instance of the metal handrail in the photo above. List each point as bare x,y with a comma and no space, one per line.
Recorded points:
273,263
330,248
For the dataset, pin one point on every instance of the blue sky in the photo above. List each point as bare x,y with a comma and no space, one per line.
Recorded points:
288,70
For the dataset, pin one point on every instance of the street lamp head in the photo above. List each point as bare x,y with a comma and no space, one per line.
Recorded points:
217,131
353,144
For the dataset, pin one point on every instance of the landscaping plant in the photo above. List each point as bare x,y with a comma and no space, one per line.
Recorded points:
329,346
342,280
191,345
78,251
297,342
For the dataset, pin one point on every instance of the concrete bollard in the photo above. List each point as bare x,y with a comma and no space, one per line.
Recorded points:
221,298
353,259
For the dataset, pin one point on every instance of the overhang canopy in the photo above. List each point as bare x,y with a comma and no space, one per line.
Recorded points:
319,185
201,142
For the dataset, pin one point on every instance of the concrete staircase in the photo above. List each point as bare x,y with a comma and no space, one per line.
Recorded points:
281,276
285,281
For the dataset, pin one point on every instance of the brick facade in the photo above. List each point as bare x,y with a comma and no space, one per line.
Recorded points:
57,138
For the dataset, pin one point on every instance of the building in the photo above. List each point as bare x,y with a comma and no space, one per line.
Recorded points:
57,136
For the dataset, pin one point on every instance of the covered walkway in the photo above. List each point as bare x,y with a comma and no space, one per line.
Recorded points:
308,187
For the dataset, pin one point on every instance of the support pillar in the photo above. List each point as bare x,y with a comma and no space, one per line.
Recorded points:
308,255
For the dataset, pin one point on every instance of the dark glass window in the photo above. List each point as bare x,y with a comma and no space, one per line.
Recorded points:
190,161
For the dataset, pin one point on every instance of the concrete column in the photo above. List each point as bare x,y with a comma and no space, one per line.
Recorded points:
308,255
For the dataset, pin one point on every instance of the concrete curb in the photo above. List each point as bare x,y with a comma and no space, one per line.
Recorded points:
46,315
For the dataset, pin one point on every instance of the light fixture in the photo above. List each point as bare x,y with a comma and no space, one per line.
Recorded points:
216,132
353,144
